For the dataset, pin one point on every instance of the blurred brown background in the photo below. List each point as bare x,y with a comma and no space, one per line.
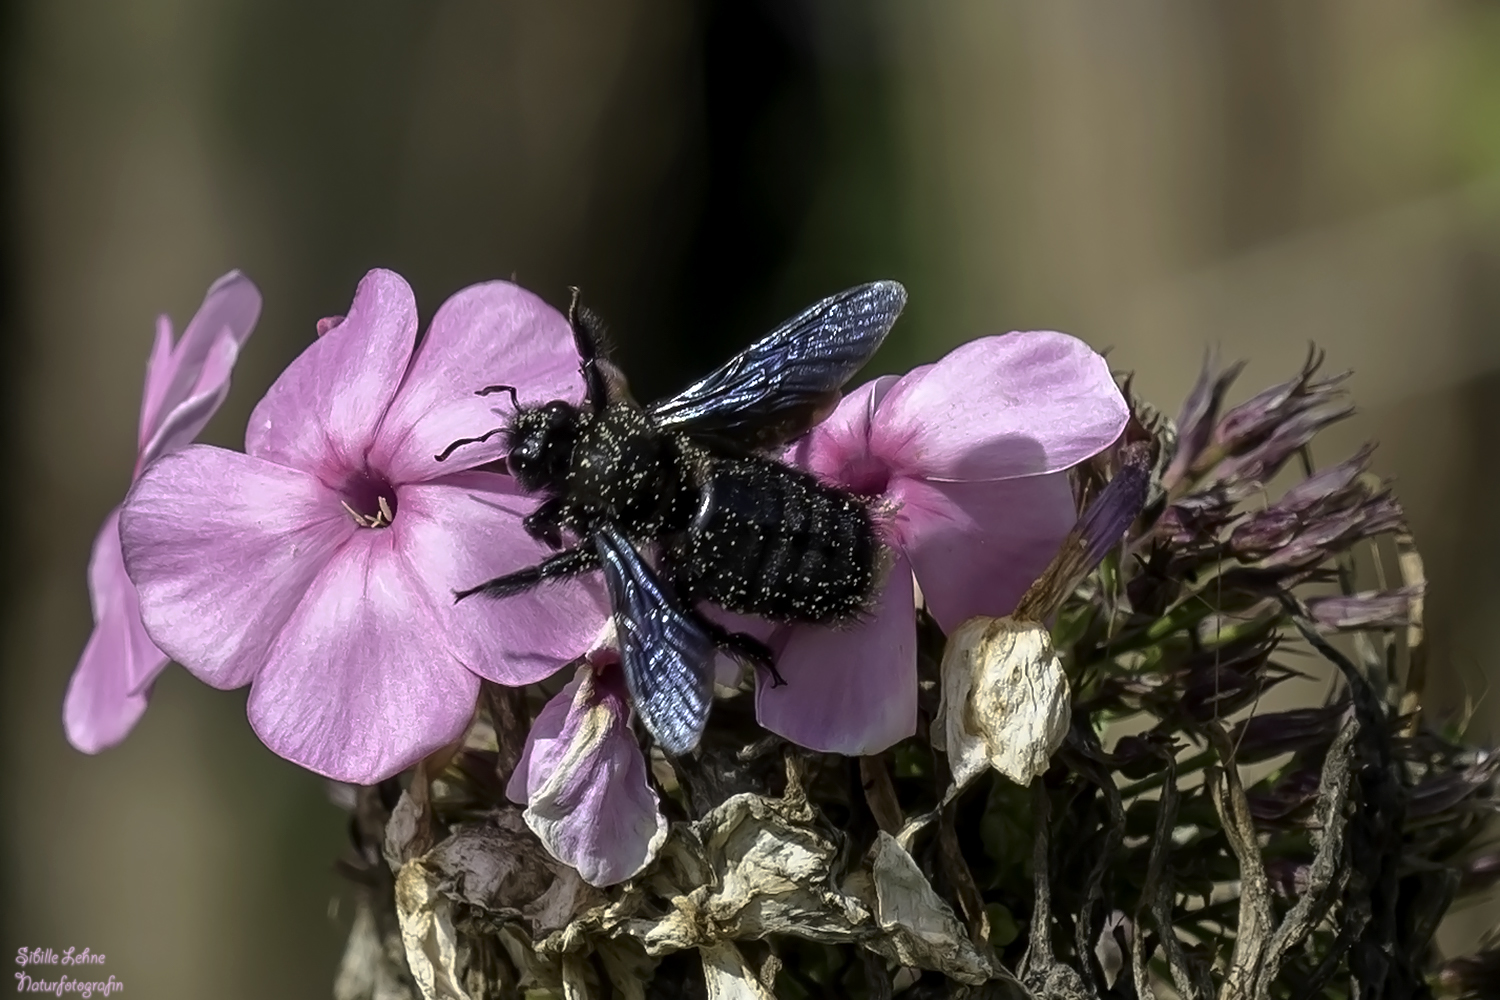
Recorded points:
1155,177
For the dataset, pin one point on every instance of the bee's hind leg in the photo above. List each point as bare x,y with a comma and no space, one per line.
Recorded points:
745,648
568,562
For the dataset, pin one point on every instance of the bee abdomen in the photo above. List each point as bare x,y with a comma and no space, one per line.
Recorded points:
780,544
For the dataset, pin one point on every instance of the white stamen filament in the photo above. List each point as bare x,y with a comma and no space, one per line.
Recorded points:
379,520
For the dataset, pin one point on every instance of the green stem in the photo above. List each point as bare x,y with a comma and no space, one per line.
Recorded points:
1195,763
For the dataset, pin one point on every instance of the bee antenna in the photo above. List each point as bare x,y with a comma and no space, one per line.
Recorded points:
443,456
490,390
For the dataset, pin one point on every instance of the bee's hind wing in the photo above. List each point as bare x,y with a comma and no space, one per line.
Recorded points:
666,651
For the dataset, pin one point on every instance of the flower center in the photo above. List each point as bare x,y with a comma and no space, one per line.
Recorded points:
370,500
866,476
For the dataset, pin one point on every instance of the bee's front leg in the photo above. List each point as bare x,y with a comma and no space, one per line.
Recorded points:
569,562
545,524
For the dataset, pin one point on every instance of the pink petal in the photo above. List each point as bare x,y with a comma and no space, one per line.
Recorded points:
838,449
229,310
181,424
495,333
976,547
322,413
158,374
544,729
359,683
113,596
107,692
852,690
98,710
461,530
999,408
221,547
587,796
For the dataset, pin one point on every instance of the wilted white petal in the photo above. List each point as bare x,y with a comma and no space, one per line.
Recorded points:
1107,949
921,929
372,967
426,917
575,981
728,976
1005,700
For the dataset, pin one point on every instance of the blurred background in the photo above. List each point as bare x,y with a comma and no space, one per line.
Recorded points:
1156,177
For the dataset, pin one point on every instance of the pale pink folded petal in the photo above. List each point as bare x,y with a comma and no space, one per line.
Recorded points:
461,530
359,684
490,334
1023,404
587,796
181,424
107,692
221,547
976,547
849,690
98,710
229,310
544,729
838,449
113,596
322,413
158,374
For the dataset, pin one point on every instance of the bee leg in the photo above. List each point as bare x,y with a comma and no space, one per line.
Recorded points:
745,648
568,562
545,523
587,335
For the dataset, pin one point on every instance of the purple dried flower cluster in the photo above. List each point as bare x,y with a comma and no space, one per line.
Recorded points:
1224,459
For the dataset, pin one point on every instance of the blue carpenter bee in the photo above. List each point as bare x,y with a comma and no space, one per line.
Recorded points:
694,475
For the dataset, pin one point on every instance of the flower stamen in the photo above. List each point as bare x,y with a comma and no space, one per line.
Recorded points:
381,519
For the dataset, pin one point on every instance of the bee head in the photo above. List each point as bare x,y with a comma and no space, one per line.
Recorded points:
541,445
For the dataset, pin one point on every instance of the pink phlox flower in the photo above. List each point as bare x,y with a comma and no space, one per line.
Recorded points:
319,567
968,460
185,384
582,778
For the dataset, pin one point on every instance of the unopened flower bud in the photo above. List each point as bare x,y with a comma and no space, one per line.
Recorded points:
1195,424
1254,421
1367,609
1262,737
1317,518
1440,792
1275,805
1100,529
1137,757
1331,488
1288,876
1264,460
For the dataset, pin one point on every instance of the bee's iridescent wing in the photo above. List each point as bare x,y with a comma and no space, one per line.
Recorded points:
667,654
790,379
